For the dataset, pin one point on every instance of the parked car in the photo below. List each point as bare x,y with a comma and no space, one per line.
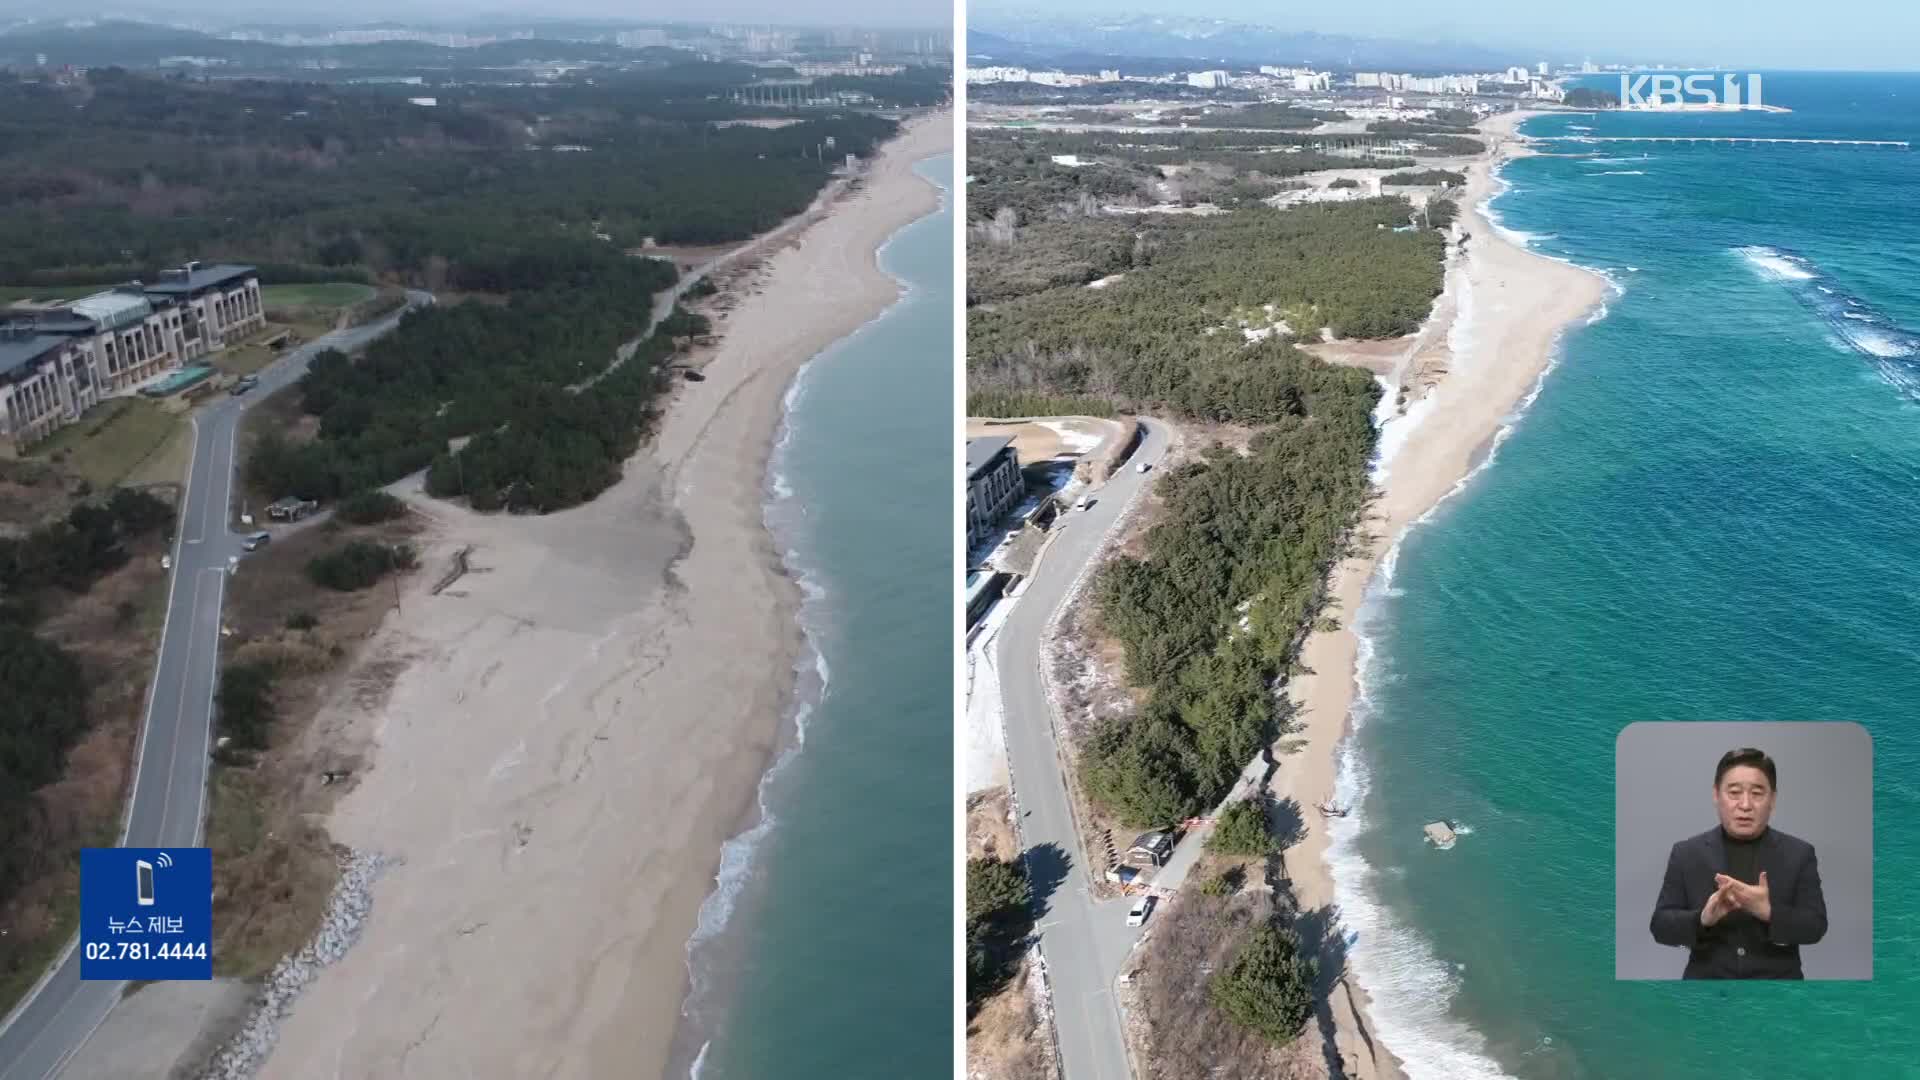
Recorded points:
244,384
256,541
1142,907
1142,467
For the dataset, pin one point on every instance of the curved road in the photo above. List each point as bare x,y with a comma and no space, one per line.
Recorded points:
1085,941
168,805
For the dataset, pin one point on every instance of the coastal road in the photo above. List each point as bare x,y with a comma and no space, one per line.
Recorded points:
1085,941
168,804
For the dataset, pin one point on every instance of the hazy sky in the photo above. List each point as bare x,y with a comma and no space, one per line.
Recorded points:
1872,34
876,13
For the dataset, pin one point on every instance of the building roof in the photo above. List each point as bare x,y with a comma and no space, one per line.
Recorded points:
1156,841
982,451
112,309
194,278
20,350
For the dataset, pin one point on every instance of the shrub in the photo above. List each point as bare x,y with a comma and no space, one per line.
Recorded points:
1225,883
998,918
1269,986
302,620
370,507
1242,830
246,706
358,565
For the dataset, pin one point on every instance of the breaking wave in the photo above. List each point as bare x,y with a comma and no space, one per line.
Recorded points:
1853,323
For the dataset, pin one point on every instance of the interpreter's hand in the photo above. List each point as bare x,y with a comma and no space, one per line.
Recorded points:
1720,903
1755,900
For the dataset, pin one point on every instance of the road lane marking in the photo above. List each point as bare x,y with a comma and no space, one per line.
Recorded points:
180,707
206,729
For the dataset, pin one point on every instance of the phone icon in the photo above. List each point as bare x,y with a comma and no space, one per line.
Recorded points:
144,870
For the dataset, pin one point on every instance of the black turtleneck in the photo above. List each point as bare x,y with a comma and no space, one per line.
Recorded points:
1743,857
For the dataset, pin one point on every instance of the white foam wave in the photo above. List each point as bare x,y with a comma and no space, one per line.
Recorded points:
1878,344
1412,988
1502,188
1775,266
1618,172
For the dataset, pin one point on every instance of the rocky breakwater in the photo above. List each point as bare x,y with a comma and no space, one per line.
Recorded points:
346,910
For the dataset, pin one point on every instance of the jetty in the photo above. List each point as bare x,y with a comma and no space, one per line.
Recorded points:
1441,833
1755,140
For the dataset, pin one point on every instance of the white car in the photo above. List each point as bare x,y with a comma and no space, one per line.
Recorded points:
1142,907
1085,501
1142,467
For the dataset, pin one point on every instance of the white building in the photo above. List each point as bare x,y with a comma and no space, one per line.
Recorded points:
1540,68
1517,75
1053,78
1112,75
998,74
1207,80
1309,82
1366,78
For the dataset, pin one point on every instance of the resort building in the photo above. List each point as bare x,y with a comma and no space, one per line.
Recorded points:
994,485
219,303
58,361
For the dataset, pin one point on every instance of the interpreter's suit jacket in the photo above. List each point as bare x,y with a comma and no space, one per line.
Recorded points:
1740,946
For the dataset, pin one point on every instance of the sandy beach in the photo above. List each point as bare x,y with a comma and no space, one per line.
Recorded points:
1516,304
558,745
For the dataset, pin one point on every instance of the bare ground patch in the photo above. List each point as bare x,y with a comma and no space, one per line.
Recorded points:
1010,1037
1180,1033
274,864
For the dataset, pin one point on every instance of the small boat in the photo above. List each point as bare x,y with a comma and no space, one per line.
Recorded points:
1330,810
1441,833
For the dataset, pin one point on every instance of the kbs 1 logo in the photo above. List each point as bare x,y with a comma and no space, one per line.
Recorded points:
1646,91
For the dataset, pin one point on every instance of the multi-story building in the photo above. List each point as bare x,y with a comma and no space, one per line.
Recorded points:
994,485
45,383
219,303
1207,80
59,361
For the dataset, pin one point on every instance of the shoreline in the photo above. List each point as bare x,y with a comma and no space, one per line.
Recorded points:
811,674
569,745
1502,301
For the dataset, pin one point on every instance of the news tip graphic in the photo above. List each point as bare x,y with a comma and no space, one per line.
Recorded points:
146,913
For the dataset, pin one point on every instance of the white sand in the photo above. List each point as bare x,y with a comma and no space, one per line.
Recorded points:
583,723
1517,302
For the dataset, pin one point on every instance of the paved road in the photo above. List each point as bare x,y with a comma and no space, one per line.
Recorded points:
1084,941
170,772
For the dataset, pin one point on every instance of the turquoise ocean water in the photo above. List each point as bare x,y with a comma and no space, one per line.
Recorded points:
1711,511
827,950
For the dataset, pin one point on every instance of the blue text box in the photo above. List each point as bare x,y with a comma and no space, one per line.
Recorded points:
146,913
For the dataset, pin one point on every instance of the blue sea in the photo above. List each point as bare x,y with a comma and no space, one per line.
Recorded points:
827,949
1710,511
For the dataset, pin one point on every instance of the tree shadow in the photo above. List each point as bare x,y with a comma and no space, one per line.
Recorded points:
1322,937
1288,823
1047,866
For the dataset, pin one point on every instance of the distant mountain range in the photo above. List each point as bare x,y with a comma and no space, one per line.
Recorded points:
1091,41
